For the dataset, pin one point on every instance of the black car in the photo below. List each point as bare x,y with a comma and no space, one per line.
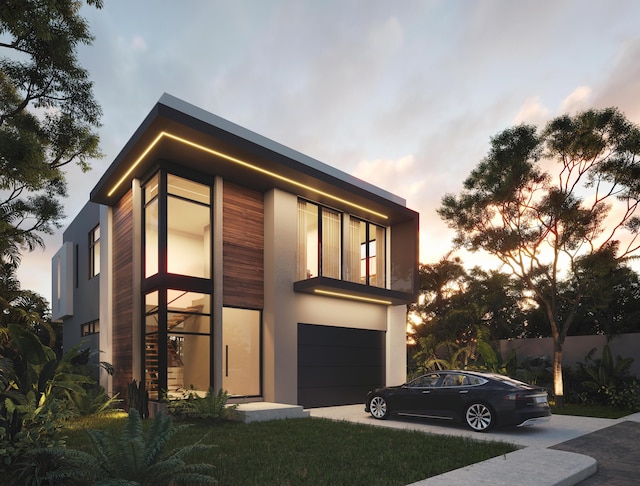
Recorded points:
479,400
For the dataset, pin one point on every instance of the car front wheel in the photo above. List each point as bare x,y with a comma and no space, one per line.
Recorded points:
378,407
479,417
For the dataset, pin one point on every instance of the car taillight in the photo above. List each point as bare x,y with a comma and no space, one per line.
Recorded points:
516,396
537,397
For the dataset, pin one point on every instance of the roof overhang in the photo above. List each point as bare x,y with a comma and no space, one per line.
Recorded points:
178,132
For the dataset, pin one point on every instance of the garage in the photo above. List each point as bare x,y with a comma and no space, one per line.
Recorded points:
337,365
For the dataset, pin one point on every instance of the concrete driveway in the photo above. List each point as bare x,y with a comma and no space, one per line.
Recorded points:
560,428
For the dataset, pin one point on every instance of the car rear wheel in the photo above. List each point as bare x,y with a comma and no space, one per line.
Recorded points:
479,417
378,407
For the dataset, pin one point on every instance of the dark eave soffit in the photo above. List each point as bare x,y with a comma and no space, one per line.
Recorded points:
196,134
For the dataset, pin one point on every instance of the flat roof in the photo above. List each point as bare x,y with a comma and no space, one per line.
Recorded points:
178,132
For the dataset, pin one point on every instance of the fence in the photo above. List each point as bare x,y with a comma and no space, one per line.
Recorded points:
576,347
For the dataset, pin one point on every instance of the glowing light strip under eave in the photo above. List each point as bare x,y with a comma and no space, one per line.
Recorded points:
242,163
135,164
353,297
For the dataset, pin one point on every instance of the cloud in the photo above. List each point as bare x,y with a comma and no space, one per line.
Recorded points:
578,100
532,112
621,87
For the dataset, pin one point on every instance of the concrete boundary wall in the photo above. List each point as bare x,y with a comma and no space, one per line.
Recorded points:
576,347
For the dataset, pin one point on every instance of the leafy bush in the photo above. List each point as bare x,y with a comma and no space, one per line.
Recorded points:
211,407
608,382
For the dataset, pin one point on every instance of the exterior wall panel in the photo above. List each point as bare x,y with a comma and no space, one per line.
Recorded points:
123,293
243,243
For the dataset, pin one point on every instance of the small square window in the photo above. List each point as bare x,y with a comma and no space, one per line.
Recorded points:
89,328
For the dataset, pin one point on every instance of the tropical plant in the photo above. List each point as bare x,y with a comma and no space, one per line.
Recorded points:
609,382
132,458
37,392
211,407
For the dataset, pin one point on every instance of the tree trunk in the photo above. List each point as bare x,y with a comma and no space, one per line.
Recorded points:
558,385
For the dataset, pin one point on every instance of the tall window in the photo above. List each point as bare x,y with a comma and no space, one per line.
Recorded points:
94,252
188,228
177,315
319,241
366,253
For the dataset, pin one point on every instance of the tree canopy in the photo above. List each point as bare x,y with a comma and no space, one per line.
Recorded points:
558,206
48,116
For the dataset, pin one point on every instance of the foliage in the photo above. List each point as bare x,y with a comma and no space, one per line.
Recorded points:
47,116
556,230
133,457
38,393
609,382
211,407
459,314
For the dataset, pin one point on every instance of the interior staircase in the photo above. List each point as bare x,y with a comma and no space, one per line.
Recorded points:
175,374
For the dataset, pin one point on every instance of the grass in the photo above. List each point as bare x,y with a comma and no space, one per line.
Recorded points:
315,451
599,411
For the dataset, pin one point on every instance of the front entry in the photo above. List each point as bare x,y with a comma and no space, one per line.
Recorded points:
241,351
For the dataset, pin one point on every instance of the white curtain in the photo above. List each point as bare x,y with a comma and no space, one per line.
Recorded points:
380,256
330,244
302,240
353,252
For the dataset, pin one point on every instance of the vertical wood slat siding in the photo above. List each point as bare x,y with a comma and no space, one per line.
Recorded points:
243,247
122,293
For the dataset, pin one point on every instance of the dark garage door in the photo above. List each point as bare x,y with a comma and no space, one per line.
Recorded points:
337,365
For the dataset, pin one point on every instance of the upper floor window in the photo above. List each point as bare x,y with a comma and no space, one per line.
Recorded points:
322,248
367,251
319,237
184,248
94,252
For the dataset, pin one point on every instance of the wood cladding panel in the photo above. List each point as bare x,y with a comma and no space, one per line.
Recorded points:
243,247
122,293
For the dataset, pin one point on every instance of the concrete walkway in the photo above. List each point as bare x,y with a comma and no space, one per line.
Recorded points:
535,464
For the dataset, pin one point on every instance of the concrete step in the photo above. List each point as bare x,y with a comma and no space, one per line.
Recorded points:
263,411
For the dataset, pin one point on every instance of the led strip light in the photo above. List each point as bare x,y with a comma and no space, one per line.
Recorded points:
238,162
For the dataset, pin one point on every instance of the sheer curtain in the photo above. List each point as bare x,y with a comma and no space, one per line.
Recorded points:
331,260
353,251
380,256
302,240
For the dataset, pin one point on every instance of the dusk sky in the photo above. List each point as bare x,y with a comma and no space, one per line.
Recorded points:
405,95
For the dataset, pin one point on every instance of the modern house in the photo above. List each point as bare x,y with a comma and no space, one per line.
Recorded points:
210,256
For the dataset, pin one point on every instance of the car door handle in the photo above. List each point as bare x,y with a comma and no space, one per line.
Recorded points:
463,391
426,391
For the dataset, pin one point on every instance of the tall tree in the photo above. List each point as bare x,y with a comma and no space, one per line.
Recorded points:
47,116
544,202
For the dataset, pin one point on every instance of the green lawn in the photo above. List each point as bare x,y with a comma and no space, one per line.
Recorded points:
316,451
599,411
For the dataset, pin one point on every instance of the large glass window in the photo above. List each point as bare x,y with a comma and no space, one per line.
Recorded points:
319,237
94,252
151,227
188,228
177,358
188,341
366,253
